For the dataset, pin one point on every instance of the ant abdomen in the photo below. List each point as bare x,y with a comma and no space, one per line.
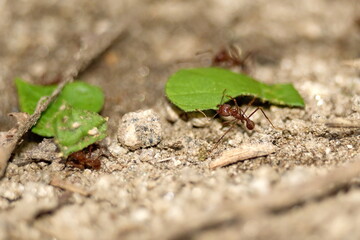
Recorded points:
250,124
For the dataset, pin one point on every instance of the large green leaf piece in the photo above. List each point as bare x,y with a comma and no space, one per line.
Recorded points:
71,119
78,94
202,89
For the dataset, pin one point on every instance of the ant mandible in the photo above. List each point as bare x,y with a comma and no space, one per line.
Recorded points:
239,115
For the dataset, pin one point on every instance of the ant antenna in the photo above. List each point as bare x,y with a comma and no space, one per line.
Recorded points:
222,98
198,110
221,102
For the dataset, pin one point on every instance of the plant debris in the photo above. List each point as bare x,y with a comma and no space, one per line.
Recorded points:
245,151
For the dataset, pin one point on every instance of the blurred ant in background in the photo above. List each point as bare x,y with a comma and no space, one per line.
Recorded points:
232,56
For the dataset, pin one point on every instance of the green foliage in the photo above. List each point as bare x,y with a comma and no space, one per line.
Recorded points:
78,94
202,88
76,129
70,118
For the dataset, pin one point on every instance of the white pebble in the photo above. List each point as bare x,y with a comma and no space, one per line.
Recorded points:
140,129
94,131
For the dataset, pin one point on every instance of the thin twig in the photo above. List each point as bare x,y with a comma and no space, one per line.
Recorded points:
56,182
343,123
245,151
355,63
82,59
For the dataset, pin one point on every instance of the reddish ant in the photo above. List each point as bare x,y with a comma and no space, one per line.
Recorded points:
228,57
227,110
86,158
45,80
231,56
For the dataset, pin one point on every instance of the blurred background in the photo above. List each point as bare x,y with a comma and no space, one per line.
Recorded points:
39,38
170,188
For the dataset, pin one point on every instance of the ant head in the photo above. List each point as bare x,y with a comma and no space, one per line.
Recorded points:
221,56
224,110
250,124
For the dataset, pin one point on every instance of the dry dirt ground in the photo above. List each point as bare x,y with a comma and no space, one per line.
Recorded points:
168,191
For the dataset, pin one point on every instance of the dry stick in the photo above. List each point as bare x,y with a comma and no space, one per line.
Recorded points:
280,200
82,59
343,123
245,151
57,182
355,63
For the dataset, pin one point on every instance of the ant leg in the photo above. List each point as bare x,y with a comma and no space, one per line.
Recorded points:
245,61
203,52
218,141
261,109
234,51
192,60
250,103
227,122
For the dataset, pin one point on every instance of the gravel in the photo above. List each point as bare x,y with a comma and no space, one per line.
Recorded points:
140,129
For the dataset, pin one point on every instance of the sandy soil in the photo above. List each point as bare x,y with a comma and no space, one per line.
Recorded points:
168,191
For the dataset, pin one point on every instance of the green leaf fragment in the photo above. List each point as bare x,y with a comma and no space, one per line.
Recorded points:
78,94
76,129
202,88
71,118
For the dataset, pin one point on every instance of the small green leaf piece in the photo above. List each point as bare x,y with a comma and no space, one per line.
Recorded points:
76,129
79,95
202,88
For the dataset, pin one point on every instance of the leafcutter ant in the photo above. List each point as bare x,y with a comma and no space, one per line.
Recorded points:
232,56
87,158
239,115
228,57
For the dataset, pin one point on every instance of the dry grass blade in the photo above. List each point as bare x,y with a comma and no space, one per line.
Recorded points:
7,144
343,123
355,63
245,151
56,182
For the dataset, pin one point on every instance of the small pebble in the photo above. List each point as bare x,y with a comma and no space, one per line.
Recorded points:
117,150
140,129
170,112
197,119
